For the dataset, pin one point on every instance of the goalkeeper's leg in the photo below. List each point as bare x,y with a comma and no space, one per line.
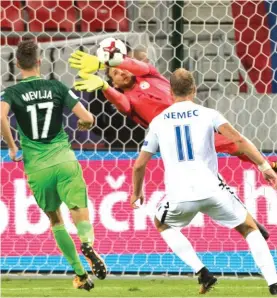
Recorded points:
224,145
245,158
72,190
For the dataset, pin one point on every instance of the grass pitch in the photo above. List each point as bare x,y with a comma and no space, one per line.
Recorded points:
132,288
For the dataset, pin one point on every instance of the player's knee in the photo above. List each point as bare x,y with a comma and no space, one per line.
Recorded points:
79,214
160,226
55,217
247,227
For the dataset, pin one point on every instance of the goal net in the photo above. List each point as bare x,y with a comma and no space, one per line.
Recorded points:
231,48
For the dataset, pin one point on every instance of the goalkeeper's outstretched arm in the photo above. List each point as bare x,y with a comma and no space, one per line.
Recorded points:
137,68
120,100
89,63
92,82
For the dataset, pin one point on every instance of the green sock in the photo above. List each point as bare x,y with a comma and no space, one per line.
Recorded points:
85,232
67,247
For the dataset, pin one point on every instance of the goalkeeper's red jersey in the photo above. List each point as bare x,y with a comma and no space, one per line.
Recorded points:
149,96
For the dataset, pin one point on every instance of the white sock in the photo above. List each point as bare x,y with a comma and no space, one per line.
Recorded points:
181,246
262,256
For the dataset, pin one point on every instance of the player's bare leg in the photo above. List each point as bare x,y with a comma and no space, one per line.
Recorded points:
260,252
181,246
67,247
224,145
261,228
80,217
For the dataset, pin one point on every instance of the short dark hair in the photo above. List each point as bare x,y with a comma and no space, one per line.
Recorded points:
27,54
182,82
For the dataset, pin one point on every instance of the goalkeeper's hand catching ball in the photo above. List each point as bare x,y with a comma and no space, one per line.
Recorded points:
90,82
85,62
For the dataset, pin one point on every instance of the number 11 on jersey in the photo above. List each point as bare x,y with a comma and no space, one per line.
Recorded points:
183,140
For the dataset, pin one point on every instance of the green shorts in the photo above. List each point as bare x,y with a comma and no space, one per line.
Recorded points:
63,182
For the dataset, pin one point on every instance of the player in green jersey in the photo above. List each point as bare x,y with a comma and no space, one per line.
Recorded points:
54,174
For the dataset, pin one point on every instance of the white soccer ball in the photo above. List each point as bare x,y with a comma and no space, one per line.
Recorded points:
111,51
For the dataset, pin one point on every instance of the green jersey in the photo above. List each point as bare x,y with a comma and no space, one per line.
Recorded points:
38,107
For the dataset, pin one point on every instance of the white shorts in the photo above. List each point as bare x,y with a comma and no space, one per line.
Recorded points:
224,208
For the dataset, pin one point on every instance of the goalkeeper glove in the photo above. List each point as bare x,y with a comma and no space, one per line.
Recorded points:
90,83
85,62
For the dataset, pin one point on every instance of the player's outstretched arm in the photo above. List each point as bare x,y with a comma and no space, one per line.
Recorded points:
86,62
150,147
248,148
6,132
92,82
90,63
138,176
137,68
120,100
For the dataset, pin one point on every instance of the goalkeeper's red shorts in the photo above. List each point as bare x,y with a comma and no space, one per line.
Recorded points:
224,145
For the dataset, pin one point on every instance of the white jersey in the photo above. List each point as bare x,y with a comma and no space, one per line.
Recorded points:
185,134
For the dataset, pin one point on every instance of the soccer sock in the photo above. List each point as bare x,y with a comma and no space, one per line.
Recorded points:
67,247
85,232
262,256
181,246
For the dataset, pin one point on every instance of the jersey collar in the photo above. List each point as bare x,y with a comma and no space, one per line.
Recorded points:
32,78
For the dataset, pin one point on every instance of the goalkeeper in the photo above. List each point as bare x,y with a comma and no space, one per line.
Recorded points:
54,174
145,94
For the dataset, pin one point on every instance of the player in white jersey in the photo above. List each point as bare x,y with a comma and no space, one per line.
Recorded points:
184,132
